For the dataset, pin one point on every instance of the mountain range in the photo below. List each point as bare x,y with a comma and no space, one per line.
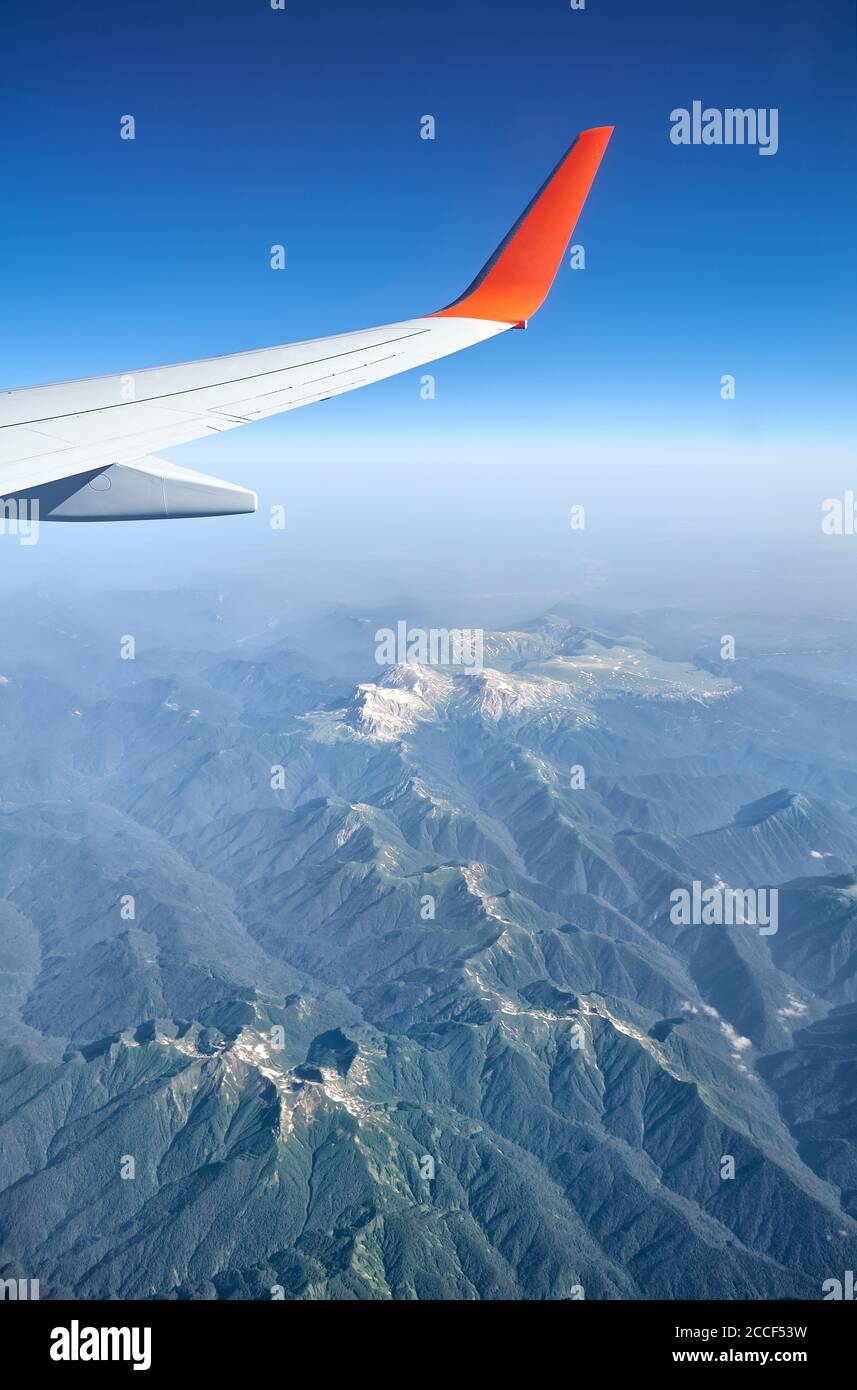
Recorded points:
329,980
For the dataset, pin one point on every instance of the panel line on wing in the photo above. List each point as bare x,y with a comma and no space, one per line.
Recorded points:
208,386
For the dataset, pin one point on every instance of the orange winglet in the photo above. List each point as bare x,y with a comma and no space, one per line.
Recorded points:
512,285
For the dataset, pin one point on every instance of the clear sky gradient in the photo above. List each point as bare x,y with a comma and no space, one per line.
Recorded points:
302,127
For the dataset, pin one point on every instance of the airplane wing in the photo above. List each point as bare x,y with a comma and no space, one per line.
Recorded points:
86,450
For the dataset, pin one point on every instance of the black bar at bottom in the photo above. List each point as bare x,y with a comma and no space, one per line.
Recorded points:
159,1336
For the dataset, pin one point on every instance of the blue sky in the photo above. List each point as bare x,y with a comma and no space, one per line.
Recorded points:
301,127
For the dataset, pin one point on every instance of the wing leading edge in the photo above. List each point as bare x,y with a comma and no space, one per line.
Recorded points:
86,450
